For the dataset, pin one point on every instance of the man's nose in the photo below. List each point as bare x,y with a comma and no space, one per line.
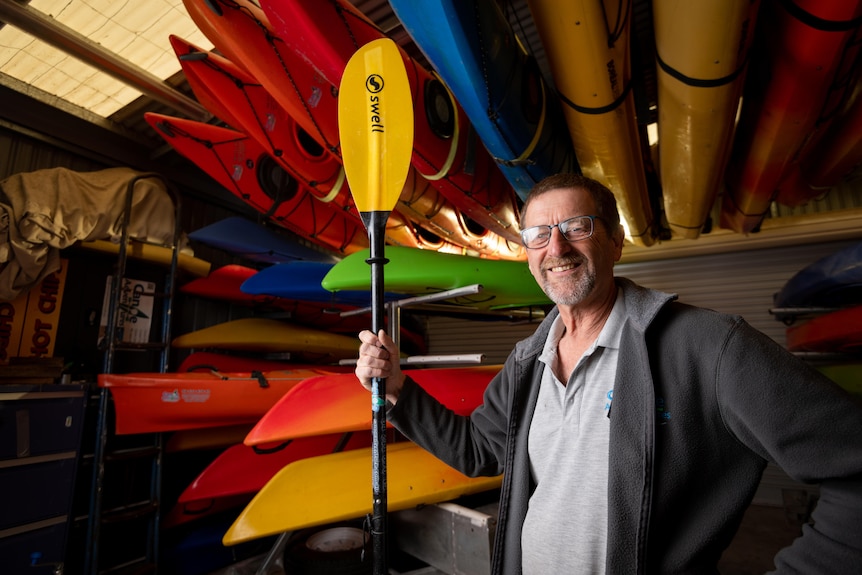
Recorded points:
558,241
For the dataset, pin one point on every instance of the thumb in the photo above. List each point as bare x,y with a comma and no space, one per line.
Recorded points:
387,342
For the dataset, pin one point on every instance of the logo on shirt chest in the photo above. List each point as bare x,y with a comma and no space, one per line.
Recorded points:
663,415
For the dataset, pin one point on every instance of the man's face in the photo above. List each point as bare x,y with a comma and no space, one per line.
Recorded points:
571,273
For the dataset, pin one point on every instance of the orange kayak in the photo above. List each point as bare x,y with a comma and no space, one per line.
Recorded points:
156,402
337,403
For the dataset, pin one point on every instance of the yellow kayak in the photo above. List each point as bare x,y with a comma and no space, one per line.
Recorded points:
151,253
336,487
269,336
587,44
702,51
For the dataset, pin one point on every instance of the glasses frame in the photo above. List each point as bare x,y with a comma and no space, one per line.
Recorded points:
560,226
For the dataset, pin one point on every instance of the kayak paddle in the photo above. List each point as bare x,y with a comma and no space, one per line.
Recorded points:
375,124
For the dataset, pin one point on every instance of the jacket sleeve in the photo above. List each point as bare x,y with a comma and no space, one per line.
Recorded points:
789,413
474,445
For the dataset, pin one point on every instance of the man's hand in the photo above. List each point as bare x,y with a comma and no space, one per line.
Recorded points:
380,357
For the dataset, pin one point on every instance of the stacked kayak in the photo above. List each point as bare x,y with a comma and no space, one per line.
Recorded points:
830,289
233,95
292,291
267,335
702,50
243,238
241,32
156,402
315,438
226,363
505,284
833,280
799,53
471,45
327,33
240,471
337,404
588,47
839,150
328,481
302,281
835,332
242,166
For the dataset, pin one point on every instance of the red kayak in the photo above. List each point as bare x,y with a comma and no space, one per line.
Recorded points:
208,361
839,332
337,403
787,87
184,513
233,26
240,471
839,150
156,402
225,284
233,95
243,167
328,33
207,438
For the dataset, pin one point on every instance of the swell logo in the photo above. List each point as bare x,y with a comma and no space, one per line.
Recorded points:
374,85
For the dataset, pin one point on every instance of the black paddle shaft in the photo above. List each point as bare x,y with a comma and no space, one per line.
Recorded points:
376,225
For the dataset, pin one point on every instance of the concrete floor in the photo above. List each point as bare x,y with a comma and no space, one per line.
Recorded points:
764,530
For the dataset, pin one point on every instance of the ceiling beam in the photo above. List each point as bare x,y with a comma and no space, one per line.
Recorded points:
49,30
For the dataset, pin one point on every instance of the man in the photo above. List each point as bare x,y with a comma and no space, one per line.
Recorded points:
632,430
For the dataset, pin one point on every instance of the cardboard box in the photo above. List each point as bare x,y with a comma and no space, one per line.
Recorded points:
28,324
135,312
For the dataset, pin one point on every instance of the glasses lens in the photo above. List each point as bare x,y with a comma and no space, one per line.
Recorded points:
578,228
573,229
535,237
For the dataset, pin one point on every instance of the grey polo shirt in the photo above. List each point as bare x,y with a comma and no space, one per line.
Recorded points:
565,530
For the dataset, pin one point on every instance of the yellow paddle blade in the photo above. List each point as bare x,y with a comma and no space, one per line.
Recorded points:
375,123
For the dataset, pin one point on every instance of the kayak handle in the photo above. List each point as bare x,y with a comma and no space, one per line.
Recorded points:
267,450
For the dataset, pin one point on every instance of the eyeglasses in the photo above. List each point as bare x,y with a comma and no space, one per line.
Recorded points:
574,230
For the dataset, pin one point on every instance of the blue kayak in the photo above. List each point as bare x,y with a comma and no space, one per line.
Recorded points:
471,45
255,242
833,281
300,280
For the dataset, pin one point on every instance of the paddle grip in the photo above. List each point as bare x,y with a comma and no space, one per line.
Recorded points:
376,225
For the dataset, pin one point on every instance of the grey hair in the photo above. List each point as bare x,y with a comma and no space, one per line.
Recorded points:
606,203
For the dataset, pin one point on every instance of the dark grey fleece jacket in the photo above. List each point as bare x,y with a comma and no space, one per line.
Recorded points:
702,401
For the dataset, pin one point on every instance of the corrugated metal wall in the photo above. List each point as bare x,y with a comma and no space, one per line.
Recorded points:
741,283
19,153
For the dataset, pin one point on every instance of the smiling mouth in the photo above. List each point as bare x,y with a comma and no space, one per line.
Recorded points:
563,267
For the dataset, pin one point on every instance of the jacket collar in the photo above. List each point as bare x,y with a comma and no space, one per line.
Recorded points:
642,305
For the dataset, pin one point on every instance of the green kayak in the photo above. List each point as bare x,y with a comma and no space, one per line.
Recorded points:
505,283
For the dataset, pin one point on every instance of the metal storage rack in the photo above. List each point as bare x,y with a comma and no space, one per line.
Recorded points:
105,450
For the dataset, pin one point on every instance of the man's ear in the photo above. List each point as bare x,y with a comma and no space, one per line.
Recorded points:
619,239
